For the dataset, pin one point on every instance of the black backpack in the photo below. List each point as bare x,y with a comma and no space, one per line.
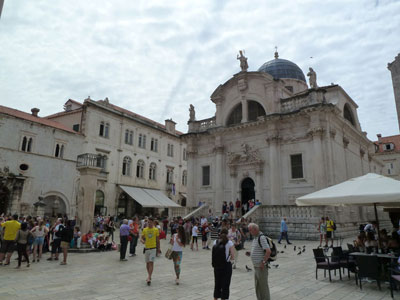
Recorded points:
59,231
334,225
272,247
219,259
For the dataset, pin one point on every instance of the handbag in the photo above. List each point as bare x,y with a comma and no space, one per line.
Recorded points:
168,254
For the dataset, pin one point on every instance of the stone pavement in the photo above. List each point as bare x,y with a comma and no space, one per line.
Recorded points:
102,276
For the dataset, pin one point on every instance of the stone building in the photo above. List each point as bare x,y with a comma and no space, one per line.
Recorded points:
92,158
133,165
274,138
37,159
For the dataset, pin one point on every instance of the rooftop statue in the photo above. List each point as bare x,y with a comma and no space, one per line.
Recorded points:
192,113
243,61
313,78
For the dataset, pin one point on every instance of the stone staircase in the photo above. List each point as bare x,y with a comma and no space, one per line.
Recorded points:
85,248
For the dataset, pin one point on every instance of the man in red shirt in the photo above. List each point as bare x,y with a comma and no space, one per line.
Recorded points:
134,233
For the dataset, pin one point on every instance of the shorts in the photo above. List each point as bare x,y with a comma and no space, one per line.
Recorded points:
204,238
64,245
194,239
39,241
7,246
150,255
329,234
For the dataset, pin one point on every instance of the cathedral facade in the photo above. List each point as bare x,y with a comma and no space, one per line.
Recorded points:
275,138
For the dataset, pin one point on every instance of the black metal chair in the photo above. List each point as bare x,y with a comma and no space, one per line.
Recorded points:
345,262
325,264
368,267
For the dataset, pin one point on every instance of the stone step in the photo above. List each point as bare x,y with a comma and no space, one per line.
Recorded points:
82,250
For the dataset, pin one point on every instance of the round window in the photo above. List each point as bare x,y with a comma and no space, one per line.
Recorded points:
23,167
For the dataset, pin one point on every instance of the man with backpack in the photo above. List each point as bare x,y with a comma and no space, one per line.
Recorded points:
260,254
56,244
330,228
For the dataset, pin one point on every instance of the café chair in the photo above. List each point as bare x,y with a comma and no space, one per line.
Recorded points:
323,263
368,267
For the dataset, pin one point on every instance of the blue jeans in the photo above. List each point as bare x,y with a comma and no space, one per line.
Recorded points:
133,244
284,234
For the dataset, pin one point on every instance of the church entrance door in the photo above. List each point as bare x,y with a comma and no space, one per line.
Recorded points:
4,198
248,193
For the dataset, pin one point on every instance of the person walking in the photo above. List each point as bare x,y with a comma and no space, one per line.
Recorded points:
39,232
238,207
123,235
134,233
195,232
329,231
222,255
178,241
188,229
235,236
284,231
10,229
21,239
322,232
260,253
67,235
150,239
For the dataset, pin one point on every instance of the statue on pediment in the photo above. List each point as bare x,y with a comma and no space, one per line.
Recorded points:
243,61
192,113
313,78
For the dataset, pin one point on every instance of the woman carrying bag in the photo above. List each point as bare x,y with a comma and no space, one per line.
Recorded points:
178,241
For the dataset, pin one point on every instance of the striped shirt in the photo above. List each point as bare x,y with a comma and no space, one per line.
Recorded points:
257,252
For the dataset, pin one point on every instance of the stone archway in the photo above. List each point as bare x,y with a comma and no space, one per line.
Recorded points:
55,206
248,191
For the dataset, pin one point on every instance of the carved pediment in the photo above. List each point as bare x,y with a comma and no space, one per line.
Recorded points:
247,156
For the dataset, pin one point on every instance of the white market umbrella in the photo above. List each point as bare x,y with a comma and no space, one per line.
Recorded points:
370,189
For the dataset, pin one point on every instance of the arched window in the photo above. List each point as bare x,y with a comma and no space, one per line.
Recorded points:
30,145
24,143
184,178
99,204
140,169
255,110
126,166
348,114
152,171
236,115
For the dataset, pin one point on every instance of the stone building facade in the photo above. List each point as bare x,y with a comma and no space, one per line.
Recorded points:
274,139
90,159
37,159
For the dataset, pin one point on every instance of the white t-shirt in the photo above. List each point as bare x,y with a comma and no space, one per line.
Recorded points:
228,246
176,246
203,220
194,230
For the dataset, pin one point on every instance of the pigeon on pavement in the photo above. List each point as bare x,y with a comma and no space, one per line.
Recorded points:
248,269
294,249
299,252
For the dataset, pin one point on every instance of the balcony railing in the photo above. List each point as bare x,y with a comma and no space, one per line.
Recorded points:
170,186
92,160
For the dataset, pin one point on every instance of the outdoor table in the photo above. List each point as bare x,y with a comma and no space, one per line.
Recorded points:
380,255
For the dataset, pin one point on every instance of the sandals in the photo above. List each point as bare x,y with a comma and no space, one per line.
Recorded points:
177,281
63,263
148,281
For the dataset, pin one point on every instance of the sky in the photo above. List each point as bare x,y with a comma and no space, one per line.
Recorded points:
158,57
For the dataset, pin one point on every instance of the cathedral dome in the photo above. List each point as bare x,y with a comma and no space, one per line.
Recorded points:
282,68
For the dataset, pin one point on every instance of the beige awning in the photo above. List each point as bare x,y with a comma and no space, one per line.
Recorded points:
148,197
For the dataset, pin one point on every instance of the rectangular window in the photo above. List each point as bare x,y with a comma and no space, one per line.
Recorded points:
101,131
184,154
130,137
206,175
296,162
126,136
170,150
144,141
75,127
104,129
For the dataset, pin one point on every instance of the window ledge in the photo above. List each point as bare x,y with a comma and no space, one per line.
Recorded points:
296,180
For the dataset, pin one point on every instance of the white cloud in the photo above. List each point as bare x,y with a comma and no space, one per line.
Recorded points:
172,53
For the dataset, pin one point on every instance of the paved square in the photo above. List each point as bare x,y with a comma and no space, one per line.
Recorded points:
102,276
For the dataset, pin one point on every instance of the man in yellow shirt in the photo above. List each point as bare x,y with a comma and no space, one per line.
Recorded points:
329,231
150,239
10,229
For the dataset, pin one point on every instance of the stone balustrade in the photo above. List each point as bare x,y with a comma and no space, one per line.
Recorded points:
202,125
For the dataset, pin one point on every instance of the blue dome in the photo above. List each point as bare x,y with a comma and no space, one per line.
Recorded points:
282,68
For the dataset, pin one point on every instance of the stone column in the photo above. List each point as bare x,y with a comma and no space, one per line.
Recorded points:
245,112
275,174
233,174
259,185
219,180
87,196
318,162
